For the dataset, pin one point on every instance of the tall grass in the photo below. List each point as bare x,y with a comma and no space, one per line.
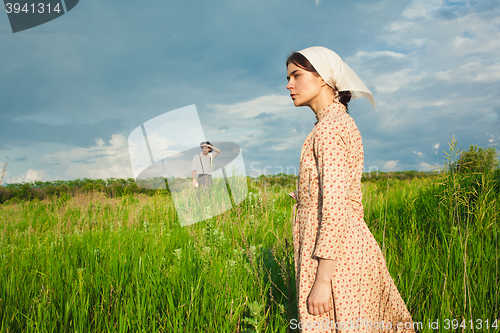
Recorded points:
3,171
92,263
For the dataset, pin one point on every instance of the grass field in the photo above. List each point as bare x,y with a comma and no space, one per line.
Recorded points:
93,263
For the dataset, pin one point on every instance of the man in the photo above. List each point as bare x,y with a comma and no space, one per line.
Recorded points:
202,164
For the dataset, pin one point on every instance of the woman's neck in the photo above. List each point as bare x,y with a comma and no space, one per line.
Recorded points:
325,98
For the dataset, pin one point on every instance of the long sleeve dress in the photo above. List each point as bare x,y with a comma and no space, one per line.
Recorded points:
328,223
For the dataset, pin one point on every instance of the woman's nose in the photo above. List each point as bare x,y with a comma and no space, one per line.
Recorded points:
289,85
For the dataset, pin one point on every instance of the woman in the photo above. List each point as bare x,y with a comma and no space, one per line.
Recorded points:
343,284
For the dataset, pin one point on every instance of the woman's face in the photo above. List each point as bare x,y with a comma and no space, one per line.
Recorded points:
304,86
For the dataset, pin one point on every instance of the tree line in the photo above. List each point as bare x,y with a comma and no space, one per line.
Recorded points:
473,163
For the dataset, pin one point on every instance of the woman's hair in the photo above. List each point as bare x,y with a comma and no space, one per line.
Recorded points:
299,60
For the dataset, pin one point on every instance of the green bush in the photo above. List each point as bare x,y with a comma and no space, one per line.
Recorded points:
476,160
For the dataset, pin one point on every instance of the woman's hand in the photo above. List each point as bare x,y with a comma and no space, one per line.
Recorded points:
319,298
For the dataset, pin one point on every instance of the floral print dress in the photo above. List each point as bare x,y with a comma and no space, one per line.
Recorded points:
328,223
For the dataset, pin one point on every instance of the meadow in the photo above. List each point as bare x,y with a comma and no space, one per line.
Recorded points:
95,263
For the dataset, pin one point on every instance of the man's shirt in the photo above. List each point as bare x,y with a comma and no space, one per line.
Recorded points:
202,163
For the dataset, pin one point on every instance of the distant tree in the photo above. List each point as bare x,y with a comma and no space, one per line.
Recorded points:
477,160
4,194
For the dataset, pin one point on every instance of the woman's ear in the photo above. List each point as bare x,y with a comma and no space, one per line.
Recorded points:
323,83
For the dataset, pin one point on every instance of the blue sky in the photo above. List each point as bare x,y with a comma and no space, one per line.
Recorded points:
73,89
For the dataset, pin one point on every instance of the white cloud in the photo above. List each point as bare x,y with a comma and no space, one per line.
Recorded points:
422,8
436,146
252,119
447,42
415,13
30,176
399,25
375,54
281,146
405,78
264,104
471,72
424,166
445,84
99,161
492,139
390,165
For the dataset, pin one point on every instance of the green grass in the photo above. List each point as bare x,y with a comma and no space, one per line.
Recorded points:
94,263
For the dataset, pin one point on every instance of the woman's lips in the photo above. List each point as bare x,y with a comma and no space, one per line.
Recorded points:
293,95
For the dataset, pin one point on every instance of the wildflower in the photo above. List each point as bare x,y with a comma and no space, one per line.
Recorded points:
178,253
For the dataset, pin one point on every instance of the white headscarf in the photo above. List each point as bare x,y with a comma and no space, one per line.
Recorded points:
336,72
